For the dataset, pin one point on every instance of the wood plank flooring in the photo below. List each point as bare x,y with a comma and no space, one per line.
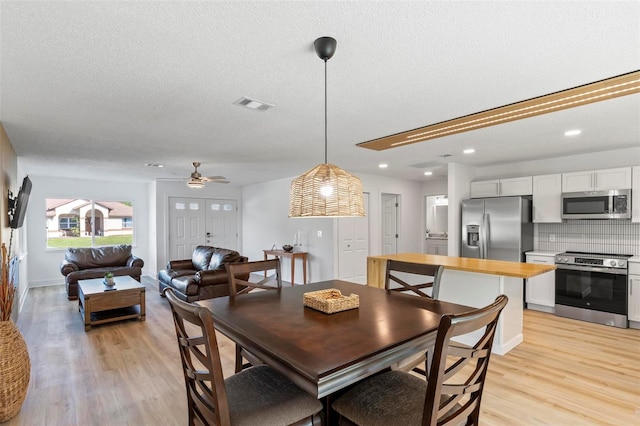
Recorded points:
566,372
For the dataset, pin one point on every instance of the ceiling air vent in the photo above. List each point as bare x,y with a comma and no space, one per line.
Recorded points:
253,104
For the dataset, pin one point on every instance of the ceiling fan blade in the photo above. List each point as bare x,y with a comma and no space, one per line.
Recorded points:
211,178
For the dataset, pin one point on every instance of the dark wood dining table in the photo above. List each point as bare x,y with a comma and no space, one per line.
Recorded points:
324,353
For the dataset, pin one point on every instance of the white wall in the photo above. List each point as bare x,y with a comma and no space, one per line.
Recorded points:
265,222
458,189
43,266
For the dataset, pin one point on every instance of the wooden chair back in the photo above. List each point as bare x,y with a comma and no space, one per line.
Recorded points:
204,380
431,274
270,268
457,375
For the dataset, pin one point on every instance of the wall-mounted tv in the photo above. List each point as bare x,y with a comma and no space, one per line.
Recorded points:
18,206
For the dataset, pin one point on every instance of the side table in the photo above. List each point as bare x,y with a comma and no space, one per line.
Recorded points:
293,255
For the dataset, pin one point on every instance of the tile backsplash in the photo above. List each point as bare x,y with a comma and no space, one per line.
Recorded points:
592,236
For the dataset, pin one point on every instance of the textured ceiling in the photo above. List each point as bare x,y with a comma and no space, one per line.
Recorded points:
98,89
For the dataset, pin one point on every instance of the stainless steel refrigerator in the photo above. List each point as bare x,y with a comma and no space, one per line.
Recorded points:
497,228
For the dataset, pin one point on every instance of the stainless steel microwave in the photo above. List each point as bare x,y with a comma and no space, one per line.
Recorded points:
612,204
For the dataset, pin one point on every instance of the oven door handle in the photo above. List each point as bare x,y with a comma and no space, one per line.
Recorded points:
592,269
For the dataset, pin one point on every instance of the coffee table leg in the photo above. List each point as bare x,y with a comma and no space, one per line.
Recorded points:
87,313
142,306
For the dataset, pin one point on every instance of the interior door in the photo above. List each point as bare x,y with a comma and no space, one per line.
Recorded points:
353,237
389,223
222,223
186,226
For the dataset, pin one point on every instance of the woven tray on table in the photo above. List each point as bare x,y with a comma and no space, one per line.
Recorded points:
330,301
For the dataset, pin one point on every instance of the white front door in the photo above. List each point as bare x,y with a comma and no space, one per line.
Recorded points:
389,223
353,237
222,226
186,226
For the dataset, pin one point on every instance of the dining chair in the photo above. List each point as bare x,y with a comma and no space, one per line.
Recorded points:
272,281
428,276
398,272
451,395
240,286
255,396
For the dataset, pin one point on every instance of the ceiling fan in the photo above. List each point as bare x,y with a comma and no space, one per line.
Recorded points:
196,180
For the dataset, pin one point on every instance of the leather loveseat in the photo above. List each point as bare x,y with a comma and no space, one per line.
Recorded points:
94,262
202,277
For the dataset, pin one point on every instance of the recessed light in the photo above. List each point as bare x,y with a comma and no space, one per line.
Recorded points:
572,132
383,165
153,165
469,151
428,173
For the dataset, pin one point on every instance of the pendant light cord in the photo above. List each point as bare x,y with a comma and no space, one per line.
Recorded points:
325,111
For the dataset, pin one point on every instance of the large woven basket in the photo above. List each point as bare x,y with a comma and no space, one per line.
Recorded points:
330,301
15,370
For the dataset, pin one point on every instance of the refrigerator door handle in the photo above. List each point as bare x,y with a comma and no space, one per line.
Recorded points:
485,235
481,237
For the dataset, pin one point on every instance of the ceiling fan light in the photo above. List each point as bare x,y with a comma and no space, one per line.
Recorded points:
195,184
326,191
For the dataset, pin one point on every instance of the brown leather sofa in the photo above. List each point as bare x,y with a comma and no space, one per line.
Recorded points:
94,262
202,277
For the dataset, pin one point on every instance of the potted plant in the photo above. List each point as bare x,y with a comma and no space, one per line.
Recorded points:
15,366
108,278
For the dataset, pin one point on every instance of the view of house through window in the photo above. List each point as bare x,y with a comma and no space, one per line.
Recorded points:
88,223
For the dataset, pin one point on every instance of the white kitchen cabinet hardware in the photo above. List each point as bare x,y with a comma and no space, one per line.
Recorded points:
597,180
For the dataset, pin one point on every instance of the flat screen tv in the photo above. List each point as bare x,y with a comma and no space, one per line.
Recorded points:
20,204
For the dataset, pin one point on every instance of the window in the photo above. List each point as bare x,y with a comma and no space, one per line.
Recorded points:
88,223
68,222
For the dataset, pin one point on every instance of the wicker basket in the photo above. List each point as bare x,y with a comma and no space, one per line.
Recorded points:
330,301
15,370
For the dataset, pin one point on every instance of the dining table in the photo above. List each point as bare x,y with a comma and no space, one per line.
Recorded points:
324,353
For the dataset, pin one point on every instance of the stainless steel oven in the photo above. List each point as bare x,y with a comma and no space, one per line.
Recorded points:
592,287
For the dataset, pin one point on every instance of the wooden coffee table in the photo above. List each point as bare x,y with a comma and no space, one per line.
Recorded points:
99,304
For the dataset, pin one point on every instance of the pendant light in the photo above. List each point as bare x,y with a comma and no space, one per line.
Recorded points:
326,190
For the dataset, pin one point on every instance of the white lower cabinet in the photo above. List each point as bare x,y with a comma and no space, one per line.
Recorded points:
437,246
634,294
541,290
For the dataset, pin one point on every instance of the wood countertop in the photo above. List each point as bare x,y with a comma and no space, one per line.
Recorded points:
482,266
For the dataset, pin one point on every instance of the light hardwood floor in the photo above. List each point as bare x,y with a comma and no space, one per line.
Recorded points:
565,373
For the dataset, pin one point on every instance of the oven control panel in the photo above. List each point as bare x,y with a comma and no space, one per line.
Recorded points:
588,259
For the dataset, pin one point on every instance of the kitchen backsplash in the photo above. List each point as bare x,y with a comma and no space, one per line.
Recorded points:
592,236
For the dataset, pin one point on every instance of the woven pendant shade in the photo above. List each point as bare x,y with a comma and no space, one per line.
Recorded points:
326,190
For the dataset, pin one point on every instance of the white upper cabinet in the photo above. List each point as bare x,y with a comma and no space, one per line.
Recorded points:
502,187
597,180
485,188
635,195
547,198
516,186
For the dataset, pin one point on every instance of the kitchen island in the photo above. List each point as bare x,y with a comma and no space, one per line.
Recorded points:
474,282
